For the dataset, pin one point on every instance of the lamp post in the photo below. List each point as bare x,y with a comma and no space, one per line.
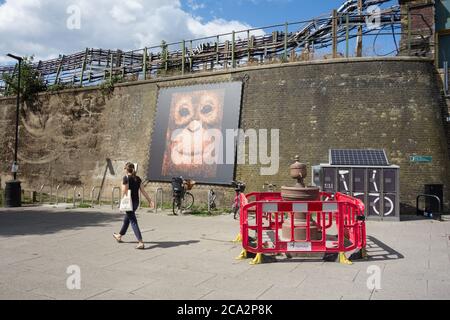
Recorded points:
13,192
15,167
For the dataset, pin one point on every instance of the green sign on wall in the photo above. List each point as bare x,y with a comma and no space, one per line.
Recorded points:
421,159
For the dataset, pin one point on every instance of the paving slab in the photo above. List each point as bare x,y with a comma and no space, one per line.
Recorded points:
190,257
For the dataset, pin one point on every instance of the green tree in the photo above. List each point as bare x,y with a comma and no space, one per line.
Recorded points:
30,81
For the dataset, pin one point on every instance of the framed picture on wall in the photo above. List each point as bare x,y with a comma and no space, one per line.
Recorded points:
190,132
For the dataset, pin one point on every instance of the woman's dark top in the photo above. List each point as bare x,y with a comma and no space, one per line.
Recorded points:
134,186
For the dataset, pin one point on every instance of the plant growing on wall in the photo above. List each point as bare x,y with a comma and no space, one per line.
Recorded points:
167,66
107,87
30,83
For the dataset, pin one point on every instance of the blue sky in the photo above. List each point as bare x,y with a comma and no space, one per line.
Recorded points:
261,12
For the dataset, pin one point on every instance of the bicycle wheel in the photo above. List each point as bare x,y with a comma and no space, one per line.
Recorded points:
176,206
236,212
188,201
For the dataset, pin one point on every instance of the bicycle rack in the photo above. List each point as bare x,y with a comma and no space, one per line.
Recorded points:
75,195
92,195
112,196
158,191
57,191
40,192
65,196
431,196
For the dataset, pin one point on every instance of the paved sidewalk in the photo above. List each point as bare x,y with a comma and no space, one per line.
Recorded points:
192,258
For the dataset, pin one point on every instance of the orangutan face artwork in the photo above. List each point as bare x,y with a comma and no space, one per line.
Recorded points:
189,133
191,144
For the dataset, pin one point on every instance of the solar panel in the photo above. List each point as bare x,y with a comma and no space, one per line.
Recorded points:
353,157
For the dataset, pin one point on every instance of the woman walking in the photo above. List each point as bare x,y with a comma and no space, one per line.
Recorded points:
134,183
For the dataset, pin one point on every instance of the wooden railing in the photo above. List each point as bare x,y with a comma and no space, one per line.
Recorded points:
325,37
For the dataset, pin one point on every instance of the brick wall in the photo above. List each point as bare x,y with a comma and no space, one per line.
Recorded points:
393,103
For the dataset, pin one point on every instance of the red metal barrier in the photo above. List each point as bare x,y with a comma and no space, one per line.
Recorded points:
333,225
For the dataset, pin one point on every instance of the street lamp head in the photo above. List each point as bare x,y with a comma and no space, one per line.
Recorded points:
14,57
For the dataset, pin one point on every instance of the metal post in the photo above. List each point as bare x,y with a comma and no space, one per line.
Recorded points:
40,193
158,191
347,35
123,66
409,32
183,55
359,43
446,78
334,33
217,50
248,46
83,67
57,197
111,68
90,71
92,195
16,143
58,72
166,57
74,196
191,57
66,196
145,63
233,48
112,196
286,28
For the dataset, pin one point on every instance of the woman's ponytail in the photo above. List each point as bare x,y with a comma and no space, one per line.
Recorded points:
130,169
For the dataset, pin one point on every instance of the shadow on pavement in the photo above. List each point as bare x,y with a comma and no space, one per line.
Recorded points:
378,250
42,221
165,244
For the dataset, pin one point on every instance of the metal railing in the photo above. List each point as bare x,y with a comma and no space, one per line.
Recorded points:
41,192
93,193
113,193
81,195
430,196
303,40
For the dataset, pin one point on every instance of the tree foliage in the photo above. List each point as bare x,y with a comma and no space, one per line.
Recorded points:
30,81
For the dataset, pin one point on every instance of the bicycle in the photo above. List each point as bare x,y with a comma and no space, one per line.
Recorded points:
239,187
182,198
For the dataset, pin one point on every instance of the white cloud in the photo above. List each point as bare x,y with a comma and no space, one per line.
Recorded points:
39,27
194,5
